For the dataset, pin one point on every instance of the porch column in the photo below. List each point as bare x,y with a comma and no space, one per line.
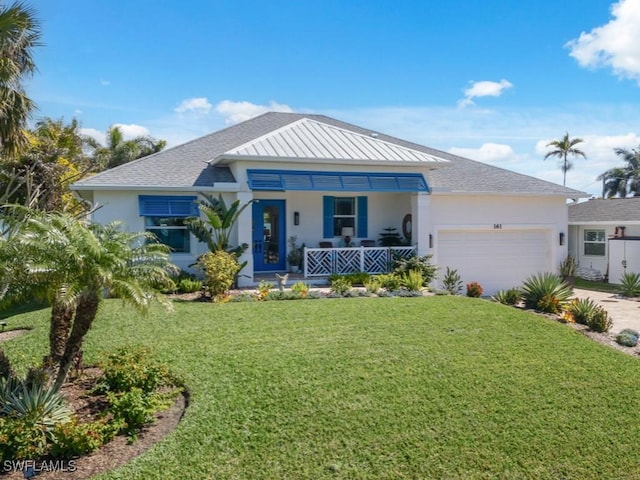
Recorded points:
245,235
420,207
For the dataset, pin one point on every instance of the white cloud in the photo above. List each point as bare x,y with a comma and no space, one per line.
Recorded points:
235,112
615,44
77,111
483,89
199,105
132,130
488,153
97,135
105,83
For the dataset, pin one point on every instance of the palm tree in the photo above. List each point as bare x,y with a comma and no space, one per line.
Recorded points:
72,264
623,181
562,149
19,35
119,151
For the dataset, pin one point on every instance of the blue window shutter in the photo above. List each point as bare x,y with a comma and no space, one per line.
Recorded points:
362,231
167,206
327,216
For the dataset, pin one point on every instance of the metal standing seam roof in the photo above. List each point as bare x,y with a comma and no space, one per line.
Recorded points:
605,210
189,165
311,139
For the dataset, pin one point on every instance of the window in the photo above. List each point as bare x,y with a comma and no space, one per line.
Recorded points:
594,242
339,212
165,217
344,214
171,231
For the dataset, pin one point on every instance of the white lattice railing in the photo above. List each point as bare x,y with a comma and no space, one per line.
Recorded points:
320,262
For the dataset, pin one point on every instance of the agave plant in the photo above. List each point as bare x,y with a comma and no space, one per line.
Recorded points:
507,297
42,402
546,292
581,309
630,284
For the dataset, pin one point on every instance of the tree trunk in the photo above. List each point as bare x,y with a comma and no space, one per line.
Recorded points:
85,314
59,330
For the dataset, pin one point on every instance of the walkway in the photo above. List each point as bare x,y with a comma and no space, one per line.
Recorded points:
624,313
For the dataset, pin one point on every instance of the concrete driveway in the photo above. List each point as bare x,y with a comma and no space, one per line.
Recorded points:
624,313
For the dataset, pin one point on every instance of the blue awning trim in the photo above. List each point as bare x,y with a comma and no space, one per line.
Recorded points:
279,180
167,206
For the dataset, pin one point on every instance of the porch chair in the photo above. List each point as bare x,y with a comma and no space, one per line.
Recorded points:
326,244
367,243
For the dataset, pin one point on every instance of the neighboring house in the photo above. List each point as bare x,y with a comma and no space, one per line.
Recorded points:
604,235
319,179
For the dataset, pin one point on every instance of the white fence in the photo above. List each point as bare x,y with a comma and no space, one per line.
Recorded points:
320,262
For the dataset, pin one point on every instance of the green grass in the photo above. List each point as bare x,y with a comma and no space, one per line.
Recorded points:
416,388
597,286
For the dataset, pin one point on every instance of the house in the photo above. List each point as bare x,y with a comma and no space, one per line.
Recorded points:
604,236
321,180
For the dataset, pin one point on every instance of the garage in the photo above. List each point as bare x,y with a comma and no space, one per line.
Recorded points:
497,259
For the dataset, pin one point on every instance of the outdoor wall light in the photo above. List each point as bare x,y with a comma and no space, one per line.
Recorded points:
561,238
430,241
296,218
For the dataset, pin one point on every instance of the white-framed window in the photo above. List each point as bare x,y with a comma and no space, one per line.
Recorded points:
595,242
344,214
170,231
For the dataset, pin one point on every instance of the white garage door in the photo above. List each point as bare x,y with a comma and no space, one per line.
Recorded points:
497,259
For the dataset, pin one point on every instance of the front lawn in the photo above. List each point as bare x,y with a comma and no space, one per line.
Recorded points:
366,388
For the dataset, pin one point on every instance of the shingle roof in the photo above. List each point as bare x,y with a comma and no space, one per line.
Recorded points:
187,165
606,210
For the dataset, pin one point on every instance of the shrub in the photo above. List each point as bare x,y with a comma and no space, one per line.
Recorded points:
340,286
508,297
187,285
568,266
301,289
357,278
220,270
630,284
135,408
389,281
264,287
581,309
600,321
474,289
452,282
74,438
22,438
373,285
420,264
546,292
412,280
627,338
549,303
128,368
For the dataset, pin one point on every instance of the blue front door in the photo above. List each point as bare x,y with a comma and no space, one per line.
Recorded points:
269,236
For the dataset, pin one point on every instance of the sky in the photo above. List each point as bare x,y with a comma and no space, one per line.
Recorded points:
491,80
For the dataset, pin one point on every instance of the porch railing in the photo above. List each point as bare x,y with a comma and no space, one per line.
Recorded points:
320,262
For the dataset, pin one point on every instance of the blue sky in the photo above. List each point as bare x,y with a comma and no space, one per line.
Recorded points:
494,80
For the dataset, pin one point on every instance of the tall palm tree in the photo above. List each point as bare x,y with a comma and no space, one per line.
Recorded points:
119,151
19,35
562,149
72,263
623,181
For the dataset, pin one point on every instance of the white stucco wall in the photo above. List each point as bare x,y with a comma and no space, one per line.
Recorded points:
597,262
